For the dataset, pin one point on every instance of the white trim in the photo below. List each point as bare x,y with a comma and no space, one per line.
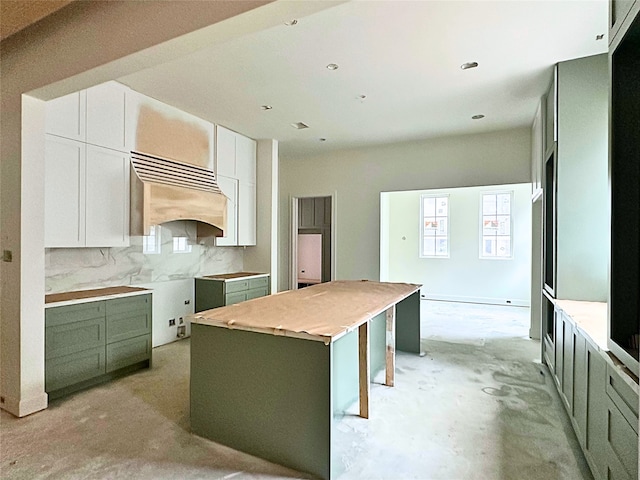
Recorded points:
511,302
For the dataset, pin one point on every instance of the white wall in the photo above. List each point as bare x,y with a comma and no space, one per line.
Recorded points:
357,177
463,276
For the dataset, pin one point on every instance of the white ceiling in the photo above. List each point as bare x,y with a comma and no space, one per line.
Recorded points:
405,56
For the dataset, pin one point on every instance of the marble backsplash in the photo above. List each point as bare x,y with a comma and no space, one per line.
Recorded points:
146,260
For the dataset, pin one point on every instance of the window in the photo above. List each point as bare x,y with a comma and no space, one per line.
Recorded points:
181,245
435,226
496,238
151,244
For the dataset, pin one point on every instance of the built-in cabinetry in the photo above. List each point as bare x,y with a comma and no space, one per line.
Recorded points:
236,173
537,152
226,289
314,218
94,341
624,169
599,395
87,169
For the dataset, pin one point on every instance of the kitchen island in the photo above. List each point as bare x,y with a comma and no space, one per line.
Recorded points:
273,375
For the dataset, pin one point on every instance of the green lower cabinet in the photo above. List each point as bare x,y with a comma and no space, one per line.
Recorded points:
61,372
213,292
127,352
622,446
596,420
91,342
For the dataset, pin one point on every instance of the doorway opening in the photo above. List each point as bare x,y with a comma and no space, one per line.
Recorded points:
312,251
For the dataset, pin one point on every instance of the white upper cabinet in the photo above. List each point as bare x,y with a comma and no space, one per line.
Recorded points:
66,116
537,142
245,159
236,159
106,121
64,192
229,187
246,213
107,198
225,152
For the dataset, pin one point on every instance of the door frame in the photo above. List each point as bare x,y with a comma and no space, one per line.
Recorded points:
293,236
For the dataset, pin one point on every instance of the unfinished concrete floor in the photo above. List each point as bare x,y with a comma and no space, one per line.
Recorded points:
477,406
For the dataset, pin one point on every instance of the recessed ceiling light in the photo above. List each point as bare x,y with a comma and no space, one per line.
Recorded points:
332,66
323,139
291,23
468,65
266,107
477,117
600,37
299,125
362,97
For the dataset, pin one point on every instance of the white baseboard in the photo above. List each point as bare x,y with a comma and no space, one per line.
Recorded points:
513,302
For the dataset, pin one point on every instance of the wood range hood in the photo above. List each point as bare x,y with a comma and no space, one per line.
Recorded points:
164,190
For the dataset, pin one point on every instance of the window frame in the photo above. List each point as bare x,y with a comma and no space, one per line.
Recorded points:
481,235
422,217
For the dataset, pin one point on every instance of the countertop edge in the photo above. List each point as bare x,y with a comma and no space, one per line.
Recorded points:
257,275
98,298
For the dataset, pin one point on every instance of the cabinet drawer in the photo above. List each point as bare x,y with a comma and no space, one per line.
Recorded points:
258,282
128,304
237,297
55,316
128,352
127,325
237,286
69,338
622,441
623,396
256,293
70,369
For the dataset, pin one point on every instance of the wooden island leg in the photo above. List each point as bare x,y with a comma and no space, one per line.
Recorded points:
364,372
391,346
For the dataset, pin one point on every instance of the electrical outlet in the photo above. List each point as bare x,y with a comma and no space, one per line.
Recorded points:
187,302
172,322
7,256
180,321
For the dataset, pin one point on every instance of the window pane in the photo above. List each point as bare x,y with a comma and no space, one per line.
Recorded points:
504,203
443,226
488,204
429,246
442,247
504,225
488,246
442,206
504,247
489,225
429,207
430,226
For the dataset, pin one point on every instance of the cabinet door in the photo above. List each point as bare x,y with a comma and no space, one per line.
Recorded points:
580,388
247,214
106,115
107,198
75,368
567,364
245,159
65,116
559,349
551,117
622,445
64,193
596,412
225,152
128,352
306,213
229,187
537,142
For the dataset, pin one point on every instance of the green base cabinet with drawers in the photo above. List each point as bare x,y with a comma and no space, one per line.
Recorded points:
95,341
220,290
